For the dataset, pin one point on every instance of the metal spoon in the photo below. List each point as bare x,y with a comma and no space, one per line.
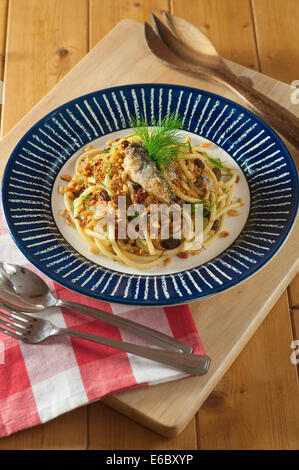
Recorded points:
23,290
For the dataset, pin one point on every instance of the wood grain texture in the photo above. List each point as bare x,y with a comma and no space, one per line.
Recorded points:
68,431
45,40
294,292
3,31
168,408
217,435
107,428
255,405
110,430
105,14
132,402
227,23
294,303
3,34
278,51
276,24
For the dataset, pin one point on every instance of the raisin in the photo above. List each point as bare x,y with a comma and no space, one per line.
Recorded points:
136,186
199,163
104,196
170,244
216,224
141,195
125,144
202,182
217,173
115,199
183,255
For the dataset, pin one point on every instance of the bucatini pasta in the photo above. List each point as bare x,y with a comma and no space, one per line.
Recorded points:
124,169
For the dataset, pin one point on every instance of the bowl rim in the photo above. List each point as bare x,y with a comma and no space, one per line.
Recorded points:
154,302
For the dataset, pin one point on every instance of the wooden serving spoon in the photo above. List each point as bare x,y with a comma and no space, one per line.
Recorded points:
191,51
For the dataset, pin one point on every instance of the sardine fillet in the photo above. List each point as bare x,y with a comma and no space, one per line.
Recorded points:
144,172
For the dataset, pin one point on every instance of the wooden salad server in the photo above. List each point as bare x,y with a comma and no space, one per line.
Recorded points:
190,50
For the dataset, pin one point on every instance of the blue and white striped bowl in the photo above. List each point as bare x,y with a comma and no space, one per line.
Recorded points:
32,170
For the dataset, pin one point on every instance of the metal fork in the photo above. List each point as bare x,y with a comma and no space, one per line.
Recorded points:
33,330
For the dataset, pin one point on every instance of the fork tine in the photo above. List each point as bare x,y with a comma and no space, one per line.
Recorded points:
20,314
169,39
10,333
159,48
13,327
11,317
164,33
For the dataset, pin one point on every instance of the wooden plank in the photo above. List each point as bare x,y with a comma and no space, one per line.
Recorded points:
68,431
3,21
105,14
294,302
278,49
276,23
45,40
3,28
224,49
110,430
255,405
294,292
168,408
225,399
227,23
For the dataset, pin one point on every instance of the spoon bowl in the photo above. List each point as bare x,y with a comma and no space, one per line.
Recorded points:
189,43
191,35
23,289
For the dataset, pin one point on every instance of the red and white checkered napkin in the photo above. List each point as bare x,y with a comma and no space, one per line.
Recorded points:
40,382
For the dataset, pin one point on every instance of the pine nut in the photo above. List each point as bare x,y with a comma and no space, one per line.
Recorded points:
233,212
93,249
66,177
124,176
70,195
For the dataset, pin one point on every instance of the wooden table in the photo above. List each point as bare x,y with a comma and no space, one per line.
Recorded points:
40,41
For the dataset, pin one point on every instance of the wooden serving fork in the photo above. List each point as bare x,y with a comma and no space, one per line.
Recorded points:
185,47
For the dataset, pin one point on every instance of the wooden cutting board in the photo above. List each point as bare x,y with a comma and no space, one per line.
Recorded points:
225,322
